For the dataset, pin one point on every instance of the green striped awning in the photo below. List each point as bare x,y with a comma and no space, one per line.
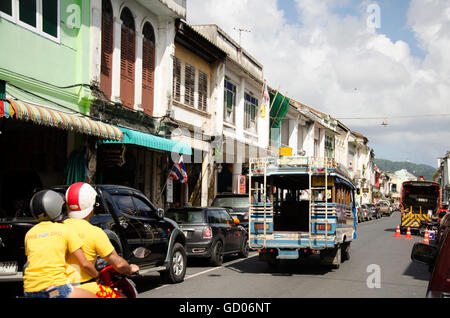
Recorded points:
279,108
50,117
138,138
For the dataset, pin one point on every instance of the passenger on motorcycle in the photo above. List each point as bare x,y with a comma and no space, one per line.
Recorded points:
46,246
81,200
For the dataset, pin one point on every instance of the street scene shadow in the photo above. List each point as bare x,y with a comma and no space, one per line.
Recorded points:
308,266
418,271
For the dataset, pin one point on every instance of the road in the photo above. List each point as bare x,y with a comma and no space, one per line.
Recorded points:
374,249
380,267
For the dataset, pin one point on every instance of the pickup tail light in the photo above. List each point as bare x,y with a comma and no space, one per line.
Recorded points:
321,227
260,226
207,232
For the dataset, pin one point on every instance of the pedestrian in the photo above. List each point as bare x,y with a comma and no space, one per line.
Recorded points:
46,246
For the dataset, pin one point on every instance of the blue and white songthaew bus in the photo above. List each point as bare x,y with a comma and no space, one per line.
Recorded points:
300,206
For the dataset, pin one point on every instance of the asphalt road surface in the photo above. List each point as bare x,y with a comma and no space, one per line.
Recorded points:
380,267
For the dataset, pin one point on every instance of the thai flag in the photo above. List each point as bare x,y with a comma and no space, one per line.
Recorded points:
178,171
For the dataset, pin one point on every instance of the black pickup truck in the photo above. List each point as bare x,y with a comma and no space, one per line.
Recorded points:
138,230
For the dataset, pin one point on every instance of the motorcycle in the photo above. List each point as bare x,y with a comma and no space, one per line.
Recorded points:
432,227
113,284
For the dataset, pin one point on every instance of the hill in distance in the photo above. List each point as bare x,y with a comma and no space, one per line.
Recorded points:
416,169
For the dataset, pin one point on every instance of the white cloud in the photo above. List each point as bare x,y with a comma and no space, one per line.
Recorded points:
338,65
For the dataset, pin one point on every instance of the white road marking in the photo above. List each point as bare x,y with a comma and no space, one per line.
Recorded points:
253,254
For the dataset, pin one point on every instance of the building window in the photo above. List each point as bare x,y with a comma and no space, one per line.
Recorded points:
329,146
202,91
50,17
127,57
107,48
189,85
229,102
6,7
176,79
40,16
251,106
148,68
28,12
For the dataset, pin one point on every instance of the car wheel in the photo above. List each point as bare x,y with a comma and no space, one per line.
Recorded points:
345,256
217,254
244,249
177,267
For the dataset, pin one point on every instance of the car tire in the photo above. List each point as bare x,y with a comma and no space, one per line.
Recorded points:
217,254
243,253
345,256
177,267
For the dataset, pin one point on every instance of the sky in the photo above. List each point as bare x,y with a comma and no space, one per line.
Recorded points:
363,62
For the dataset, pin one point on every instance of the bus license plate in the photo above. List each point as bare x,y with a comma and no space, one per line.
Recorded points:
8,268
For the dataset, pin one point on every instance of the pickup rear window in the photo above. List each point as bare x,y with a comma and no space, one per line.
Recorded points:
187,216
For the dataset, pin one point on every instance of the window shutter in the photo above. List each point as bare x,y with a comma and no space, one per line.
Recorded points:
176,79
189,85
107,49
127,63
202,91
148,75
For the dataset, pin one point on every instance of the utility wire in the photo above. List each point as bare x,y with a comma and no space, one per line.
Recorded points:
393,116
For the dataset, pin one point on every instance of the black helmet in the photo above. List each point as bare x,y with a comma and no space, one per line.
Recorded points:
47,205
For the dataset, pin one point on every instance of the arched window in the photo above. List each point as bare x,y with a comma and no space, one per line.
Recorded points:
148,68
127,58
107,48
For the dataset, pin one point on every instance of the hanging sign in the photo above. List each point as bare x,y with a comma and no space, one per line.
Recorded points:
242,184
169,190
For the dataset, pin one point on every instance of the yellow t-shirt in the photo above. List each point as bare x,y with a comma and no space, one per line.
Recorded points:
46,247
96,242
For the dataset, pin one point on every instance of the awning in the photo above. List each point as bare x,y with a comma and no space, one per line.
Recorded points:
56,118
278,109
138,138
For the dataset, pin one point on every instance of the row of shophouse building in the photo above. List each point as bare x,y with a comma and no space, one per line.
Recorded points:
114,91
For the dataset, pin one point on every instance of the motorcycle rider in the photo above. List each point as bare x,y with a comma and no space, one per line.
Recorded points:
46,246
81,200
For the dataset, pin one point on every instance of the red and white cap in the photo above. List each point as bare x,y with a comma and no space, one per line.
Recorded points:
80,198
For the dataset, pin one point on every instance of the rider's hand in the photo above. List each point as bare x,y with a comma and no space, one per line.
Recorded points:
134,269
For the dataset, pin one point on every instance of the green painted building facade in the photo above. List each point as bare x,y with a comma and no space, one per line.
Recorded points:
46,49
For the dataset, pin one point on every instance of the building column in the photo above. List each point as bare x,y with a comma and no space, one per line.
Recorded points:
293,136
115,78
206,172
138,72
237,171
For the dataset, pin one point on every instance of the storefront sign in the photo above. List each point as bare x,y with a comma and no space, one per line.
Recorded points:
242,184
169,190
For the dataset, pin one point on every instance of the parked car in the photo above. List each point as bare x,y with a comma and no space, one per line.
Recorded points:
376,214
211,233
138,231
237,202
366,214
438,259
396,207
385,208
